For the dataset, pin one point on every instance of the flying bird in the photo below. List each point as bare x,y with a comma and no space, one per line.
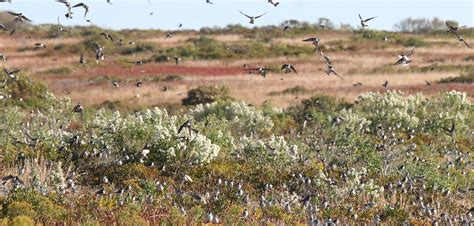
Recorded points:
19,17
86,8
40,46
329,66
451,27
274,2
78,109
3,28
288,68
177,60
252,18
314,41
60,27
461,39
107,36
385,84
363,22
68,15
66,3
357,84
11,74
450,130
404,59
187,125
82,60
454,29
209,2
261,71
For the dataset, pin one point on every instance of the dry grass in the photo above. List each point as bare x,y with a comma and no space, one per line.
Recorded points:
91,84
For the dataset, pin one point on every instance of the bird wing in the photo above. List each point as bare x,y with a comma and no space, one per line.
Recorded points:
26,18
360,17
467,44
15,71
79,5
451,27
400,61
251,69
13,13
368,19
245,15
260,16
293,69
9,177
183,126
309,40
410,52
337,74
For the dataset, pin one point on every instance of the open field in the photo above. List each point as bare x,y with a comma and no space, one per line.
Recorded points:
367,62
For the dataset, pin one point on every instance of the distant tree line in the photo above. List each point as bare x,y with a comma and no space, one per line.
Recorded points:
421,25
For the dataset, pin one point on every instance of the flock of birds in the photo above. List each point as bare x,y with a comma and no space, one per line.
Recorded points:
404,59
405,185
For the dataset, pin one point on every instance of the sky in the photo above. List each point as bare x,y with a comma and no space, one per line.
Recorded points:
195,14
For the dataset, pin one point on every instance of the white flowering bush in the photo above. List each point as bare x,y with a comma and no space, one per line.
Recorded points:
390,109
277,164
394,109
275,150
240,115
154,129
57,178
359,183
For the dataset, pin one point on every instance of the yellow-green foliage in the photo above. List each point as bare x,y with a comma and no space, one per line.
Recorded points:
22,221
128,217
20,208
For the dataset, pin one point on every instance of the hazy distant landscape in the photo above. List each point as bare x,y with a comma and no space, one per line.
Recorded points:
177,126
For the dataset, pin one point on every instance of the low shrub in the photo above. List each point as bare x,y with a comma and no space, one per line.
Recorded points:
206,94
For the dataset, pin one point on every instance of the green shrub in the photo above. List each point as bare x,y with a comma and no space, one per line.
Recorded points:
297,90
15,209
139,48
468,79
206,94
22,221
58,71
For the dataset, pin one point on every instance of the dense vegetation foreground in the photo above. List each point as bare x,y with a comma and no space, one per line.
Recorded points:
386,158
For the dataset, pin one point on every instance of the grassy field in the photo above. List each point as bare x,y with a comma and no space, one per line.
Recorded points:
358,59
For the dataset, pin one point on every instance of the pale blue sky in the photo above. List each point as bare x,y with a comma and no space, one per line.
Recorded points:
195,14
